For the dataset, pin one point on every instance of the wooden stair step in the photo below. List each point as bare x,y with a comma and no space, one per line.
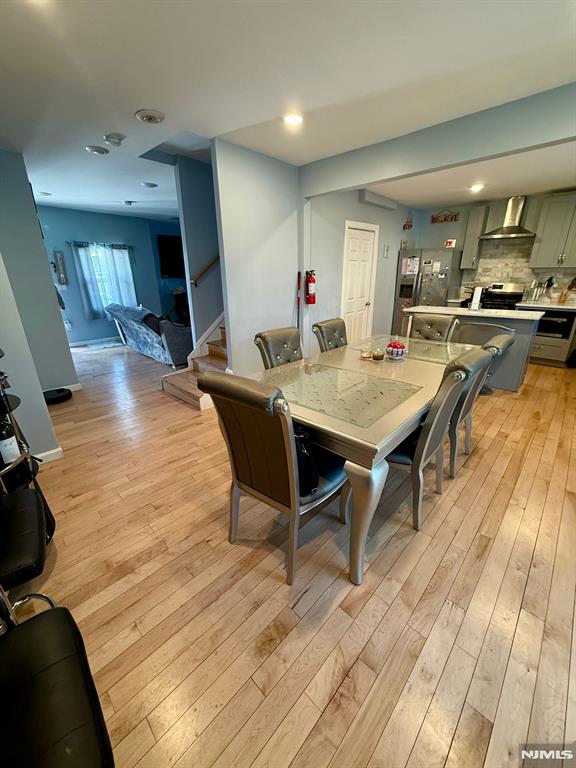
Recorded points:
183,385
222,329
209,363
217,348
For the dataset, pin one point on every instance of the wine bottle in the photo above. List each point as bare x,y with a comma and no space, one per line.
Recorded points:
9,448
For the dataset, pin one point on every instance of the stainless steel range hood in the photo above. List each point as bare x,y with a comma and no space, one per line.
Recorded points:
511,227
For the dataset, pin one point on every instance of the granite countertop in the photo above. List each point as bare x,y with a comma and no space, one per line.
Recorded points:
568,307
511,314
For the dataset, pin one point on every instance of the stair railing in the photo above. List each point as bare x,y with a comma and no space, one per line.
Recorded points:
201,272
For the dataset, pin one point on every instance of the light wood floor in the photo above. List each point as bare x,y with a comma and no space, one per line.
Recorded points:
455,650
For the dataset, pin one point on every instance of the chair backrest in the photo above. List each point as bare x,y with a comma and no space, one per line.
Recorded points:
498,345
330,334
257,426
476,362
478,333
438,419
431,327
279,346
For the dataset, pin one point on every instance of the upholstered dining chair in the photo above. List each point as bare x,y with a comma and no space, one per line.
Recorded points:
279,346
481,334
330,334
257,426
432,327
463,411
427,441
497,346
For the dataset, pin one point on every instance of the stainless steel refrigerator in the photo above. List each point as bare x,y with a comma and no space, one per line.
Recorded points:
424,276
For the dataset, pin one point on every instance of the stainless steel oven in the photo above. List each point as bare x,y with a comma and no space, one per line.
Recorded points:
556,324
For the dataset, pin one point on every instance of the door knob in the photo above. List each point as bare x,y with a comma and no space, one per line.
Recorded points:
368,303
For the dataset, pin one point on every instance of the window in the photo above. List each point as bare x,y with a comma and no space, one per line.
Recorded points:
105,276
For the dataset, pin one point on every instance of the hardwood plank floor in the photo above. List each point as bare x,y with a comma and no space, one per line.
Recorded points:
457,649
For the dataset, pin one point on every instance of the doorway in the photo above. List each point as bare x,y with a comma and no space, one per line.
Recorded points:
359,278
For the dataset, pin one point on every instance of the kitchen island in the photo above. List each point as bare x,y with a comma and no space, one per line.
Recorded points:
507,373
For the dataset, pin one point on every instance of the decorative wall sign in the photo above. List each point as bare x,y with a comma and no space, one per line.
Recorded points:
408,223
449,243
445,216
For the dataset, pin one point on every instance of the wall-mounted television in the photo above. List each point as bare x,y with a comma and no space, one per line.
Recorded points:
171,256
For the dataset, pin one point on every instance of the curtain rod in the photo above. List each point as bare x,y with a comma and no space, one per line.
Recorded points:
81,244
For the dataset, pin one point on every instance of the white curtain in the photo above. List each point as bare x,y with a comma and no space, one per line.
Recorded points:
105,276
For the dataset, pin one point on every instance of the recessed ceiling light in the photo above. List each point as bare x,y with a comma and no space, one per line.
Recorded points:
114,139
149,116
128,202
45,194
478,187
97,150
148,184
293,118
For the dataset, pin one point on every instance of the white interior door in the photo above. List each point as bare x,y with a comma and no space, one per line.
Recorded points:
360,249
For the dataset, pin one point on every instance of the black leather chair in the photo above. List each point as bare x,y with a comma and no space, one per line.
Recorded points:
279,346
256,423
432,327
427,440
331,334
50,716
22,537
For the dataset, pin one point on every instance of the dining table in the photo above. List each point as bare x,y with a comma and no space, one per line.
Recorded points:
361,409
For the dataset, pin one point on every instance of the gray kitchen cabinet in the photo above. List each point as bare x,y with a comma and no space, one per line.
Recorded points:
476,227
555,246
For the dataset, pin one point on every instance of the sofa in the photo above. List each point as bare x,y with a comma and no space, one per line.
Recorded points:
152,335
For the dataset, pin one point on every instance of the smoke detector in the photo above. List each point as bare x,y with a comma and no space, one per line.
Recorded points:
114,139
149,116
94,149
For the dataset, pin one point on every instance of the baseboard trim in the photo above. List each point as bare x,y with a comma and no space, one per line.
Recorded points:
85,343
71,387
46,456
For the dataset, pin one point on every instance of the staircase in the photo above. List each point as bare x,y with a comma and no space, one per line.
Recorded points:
184,384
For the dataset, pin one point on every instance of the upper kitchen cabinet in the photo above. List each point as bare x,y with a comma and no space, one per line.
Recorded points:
556,234
476,227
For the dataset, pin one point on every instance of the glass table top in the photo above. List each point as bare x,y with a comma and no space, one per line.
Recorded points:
420,349
352,396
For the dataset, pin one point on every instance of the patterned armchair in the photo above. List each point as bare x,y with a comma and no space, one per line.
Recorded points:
152,335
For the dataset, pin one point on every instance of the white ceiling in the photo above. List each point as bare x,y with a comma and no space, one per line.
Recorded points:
526,173
361,71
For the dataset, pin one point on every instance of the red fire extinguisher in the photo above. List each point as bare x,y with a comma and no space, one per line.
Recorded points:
310,286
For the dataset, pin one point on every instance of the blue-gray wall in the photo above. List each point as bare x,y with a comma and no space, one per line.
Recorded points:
195,187
27,267
258,199
63,225
538,120
328,217
32,414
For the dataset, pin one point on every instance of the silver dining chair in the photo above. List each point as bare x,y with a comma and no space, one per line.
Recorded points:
480,334
257,426
331,334
427,441
432,327
463,411
279,346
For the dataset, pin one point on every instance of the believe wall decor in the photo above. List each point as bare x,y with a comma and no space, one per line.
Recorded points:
444,216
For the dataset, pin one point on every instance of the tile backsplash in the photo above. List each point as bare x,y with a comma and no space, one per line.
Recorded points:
509,262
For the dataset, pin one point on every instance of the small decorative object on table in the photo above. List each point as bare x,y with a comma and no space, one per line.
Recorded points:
366,353
378,354
396,349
